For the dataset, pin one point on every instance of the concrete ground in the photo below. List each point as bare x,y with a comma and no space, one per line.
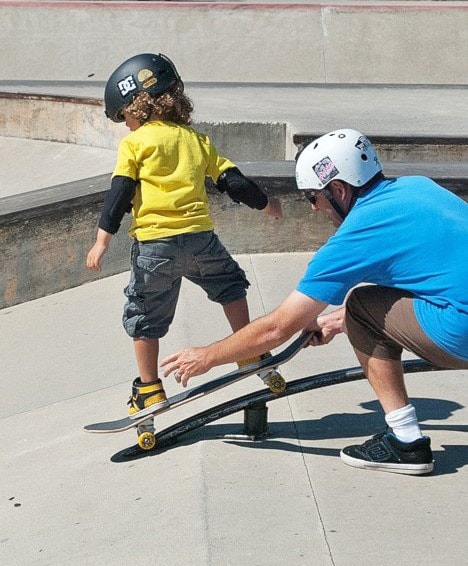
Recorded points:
289,499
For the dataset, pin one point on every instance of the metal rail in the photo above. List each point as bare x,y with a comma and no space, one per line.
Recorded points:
168,436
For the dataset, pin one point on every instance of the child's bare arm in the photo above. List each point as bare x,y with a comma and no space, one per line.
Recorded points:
97,252
118,201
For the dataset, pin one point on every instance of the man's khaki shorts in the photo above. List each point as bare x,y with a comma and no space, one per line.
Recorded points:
380,322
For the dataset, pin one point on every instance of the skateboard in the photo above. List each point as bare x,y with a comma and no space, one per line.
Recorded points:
147,439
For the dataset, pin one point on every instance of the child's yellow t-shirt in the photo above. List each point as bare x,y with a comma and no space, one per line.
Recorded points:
170,163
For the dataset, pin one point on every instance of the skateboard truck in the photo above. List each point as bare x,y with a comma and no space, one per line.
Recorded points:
274,381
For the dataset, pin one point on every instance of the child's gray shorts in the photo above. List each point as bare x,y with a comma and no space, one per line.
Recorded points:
156,273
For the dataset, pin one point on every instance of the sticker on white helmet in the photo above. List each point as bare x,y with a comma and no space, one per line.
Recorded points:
325,170
362,144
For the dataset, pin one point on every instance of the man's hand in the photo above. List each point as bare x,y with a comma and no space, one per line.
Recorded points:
186,364
326,327
267,332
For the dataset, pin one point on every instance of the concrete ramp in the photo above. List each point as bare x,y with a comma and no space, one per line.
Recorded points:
30,165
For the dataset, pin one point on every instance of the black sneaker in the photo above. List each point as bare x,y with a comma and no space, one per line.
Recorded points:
386,453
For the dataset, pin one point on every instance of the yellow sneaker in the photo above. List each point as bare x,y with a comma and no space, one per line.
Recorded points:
146,398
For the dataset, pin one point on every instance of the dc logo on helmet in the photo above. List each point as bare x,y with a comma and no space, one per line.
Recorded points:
126,85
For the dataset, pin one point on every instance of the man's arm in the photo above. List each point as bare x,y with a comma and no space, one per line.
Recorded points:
298,312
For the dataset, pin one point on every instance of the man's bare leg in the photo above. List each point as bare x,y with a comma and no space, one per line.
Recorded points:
403,451
386,378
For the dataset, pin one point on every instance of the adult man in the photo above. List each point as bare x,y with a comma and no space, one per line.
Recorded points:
407,237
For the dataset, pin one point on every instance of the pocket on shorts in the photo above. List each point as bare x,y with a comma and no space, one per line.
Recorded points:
221,264
154,274
204,243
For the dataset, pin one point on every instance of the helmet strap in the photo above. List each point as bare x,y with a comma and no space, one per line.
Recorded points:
331,199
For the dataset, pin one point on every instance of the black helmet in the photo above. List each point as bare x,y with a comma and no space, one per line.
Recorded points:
146,72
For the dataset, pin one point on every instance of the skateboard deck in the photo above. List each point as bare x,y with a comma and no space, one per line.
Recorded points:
272,362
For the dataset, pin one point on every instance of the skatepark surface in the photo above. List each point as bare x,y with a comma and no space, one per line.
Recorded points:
215,498
294,106
207,500
287,499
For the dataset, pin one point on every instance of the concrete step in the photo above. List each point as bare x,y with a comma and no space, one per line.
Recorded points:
420,149
257,122
279,175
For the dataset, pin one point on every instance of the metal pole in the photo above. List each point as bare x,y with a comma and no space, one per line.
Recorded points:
256,421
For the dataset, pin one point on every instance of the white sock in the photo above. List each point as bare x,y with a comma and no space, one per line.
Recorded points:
404,423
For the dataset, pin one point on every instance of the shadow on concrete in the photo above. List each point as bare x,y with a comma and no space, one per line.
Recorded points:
334,426
346,425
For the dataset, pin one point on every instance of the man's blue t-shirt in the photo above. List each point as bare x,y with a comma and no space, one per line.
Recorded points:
411,234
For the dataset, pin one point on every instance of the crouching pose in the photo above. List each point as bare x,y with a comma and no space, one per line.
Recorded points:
407,238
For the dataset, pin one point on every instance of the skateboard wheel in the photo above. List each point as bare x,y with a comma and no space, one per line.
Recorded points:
147,441
276,383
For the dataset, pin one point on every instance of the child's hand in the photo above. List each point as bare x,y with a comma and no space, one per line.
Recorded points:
95,255
97,252
273,208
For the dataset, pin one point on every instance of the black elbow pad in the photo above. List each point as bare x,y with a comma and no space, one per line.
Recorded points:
118,201
240,189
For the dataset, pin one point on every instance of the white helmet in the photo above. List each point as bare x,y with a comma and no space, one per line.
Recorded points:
343,155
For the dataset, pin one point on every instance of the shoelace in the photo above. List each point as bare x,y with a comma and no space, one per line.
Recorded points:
372,440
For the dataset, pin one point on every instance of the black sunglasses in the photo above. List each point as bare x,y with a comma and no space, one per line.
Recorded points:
311,196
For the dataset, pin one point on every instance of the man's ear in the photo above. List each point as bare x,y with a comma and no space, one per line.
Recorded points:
341,188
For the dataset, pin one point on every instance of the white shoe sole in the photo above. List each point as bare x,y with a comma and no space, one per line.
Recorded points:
411,469
151,409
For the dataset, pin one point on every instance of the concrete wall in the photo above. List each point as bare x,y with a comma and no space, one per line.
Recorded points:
81,121
352,42
46,234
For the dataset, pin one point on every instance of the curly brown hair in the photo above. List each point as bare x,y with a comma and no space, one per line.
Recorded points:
171,106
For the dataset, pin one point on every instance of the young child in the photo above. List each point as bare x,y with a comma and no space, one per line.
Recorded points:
160,176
